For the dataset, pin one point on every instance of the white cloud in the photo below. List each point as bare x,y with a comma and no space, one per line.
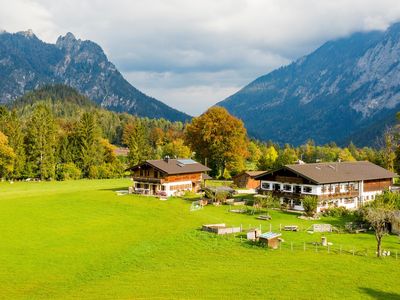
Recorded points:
192,45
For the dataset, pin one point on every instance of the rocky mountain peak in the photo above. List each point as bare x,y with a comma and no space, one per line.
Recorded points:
83,65
67,42
27,33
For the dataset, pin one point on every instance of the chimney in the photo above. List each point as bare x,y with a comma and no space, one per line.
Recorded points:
166,159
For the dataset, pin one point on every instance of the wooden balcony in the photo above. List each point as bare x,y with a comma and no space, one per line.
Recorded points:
349,194
147,180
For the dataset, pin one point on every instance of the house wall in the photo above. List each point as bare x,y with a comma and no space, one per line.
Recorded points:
244,181
377,185
171,185
340,194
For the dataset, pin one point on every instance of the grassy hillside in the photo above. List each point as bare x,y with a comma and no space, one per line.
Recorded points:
79,240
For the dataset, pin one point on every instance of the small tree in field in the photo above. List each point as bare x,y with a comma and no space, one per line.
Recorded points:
310,204
268,201
379,213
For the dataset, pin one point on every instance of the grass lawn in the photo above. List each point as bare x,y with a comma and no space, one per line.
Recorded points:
79,240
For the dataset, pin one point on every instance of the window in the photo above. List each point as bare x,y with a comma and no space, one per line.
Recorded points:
146,186
141,172
163,187
307,189
277,186
287,187
297,189
265,186
155,174
297,202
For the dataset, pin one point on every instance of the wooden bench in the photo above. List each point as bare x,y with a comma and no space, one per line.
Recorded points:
264,217
291,228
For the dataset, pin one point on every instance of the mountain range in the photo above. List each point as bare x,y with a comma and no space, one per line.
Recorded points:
27,63
346,90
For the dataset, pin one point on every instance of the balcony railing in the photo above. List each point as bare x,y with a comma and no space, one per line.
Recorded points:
146,180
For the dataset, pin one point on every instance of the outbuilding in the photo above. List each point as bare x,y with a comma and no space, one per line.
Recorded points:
247,180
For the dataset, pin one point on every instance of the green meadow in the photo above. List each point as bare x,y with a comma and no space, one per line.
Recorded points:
80,240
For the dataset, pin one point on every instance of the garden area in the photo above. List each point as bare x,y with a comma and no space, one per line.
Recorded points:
81,239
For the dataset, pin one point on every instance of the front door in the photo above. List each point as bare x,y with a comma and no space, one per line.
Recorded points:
154,189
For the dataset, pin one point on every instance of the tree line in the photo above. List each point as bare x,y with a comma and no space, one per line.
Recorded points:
56,133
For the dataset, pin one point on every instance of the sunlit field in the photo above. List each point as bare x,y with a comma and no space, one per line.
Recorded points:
80,240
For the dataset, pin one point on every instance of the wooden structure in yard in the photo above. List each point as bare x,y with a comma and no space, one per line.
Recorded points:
253,234
167,177
220,228
246,180
271,239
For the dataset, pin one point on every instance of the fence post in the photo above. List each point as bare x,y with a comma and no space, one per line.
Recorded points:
304,246
340,249
316,249
396,254
353,251
280,227
241,227
328,248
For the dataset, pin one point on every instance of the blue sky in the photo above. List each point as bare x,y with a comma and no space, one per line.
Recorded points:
191,54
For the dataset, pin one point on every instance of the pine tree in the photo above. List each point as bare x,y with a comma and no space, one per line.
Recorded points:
88,143
40,143
136,138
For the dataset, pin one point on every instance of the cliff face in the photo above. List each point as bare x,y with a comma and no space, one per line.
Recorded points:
348,89
27,63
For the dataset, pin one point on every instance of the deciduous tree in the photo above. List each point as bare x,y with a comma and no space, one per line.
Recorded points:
218,137
7,157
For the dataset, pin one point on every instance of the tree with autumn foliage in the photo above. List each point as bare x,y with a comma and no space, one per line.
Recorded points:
7,157
219,138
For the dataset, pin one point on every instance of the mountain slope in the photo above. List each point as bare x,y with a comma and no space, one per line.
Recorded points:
27,63
337,93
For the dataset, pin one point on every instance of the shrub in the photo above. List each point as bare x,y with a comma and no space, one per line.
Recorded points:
93,172
337,212
68,171
105,171
310,204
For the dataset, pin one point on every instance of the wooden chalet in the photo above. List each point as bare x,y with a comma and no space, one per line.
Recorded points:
167,177
347,184
247,179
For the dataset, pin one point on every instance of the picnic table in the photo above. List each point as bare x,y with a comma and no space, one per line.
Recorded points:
291,228
264,217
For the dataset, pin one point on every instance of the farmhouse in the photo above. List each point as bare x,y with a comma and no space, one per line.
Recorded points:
246,179
167,177
347,184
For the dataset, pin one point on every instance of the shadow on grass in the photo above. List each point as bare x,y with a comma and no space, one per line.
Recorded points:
376,294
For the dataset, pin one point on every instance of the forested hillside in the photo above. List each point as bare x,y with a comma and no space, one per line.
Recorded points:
346,90
56,133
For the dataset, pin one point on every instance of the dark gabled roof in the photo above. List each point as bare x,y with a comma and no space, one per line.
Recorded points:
205,176
321,173
250,173
177,166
